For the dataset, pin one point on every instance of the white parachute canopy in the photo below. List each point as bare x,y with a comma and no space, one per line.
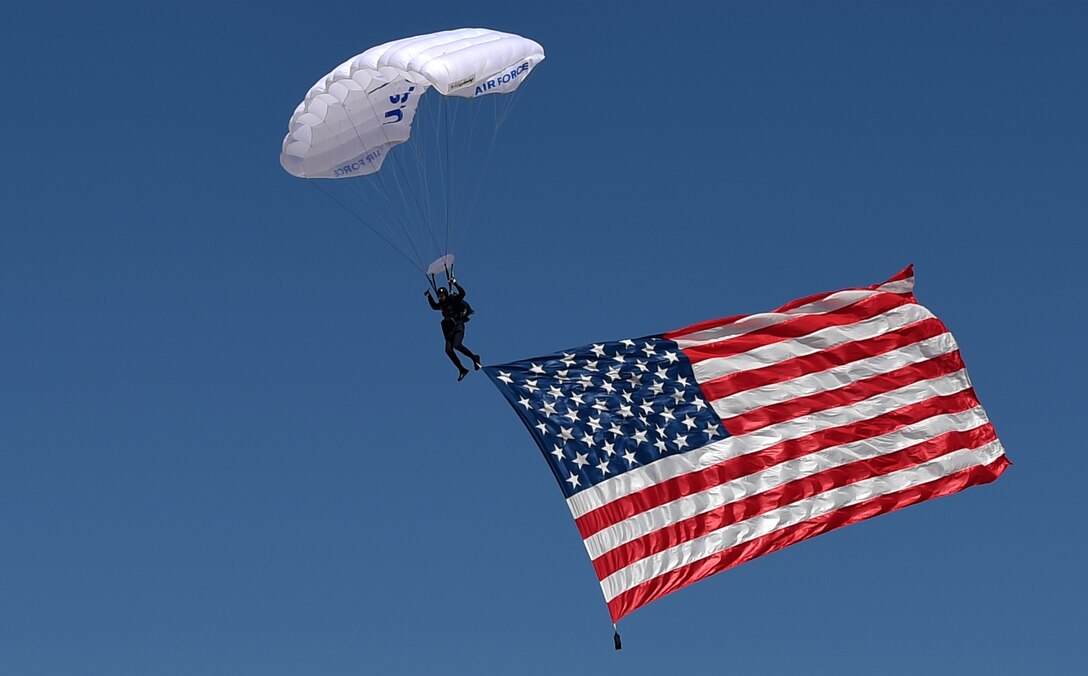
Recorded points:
414,162
353,116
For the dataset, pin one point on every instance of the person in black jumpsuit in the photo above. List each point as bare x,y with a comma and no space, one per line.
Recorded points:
453,325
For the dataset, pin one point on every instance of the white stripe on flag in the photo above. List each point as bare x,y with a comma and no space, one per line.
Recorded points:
750,323
749,400
656,518
898,286
790,515
731,447
817,341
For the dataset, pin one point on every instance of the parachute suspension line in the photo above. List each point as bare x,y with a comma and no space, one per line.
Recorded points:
463,146
403,200
362,198
466,154
407,231
417,263
416,143
426,145
421,175
507,109
370,199
470,182
434,153
394,204
415,200
434,120
470,146
449,174
409,199
405,187
368,225
499,119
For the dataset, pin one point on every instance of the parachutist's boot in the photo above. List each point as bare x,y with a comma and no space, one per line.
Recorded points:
462,374
476,362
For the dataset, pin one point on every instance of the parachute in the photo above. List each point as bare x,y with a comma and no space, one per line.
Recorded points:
345,134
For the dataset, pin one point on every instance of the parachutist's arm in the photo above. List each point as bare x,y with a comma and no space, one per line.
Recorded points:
460,289
434,305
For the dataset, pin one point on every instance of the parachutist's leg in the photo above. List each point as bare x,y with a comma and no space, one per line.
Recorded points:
453,356
453,340
458,336
471,355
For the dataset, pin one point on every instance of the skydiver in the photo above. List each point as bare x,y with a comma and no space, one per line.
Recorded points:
455,312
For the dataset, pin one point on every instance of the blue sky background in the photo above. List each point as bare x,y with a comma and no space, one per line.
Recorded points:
230,442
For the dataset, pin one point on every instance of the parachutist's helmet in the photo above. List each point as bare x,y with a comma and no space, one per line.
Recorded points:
443,291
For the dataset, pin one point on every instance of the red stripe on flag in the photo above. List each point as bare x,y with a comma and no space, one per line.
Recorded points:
787,494
856,391
905,273
821,361
657,587
703,326
734,468
797,327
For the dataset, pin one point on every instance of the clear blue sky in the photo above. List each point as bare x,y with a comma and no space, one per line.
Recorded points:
230,442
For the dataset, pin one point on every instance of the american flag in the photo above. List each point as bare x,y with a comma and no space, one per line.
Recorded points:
686,453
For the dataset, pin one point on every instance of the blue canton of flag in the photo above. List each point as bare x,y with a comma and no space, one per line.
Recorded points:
604,409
